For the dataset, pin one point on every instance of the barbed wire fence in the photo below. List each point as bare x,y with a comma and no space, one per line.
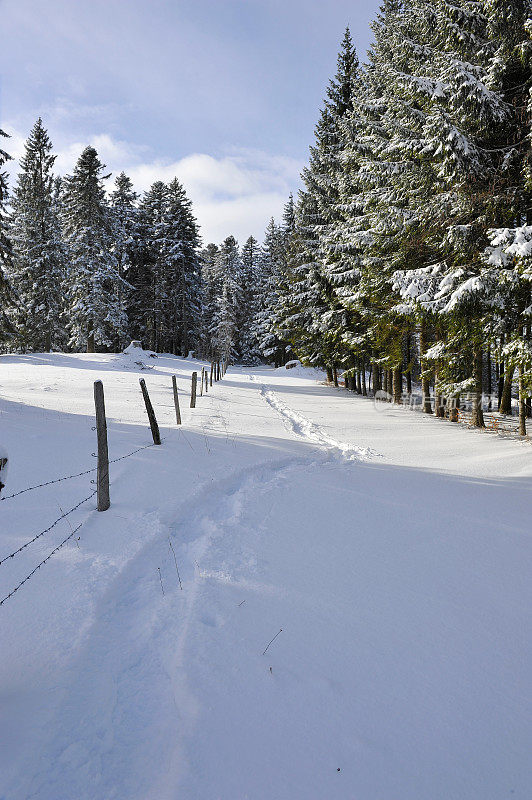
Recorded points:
157,440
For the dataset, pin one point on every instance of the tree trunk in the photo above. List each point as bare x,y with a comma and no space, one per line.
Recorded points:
408,365
377,383
522,403
438,399
488,358
329,374
90,340
505,406
425,381
335,375
364,389
359,385
397,385
477,418
454,404
499,368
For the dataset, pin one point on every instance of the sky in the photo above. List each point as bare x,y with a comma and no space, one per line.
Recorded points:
223,94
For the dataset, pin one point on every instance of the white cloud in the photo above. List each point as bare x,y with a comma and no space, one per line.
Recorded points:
232,194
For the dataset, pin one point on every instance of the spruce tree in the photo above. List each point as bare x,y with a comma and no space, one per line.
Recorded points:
95,316
38,262
250,277
224,330
6,293
211,290
125,232
180,251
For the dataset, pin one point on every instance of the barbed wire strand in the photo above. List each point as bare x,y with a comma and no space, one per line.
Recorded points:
48,557
69,477
38,535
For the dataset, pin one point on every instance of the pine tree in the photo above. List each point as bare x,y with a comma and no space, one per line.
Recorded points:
6,293
38,264
211,291
265,326
93,285
313,260
250,277
180,253
125,231
224,331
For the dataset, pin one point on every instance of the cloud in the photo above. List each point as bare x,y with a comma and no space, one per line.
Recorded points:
231,194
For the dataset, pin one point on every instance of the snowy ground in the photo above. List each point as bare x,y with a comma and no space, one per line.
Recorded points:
393,550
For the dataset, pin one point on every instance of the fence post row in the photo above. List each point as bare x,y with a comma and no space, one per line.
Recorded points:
176,401
151,414
102,472
193,390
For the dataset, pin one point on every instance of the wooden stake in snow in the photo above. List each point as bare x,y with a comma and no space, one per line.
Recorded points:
193,390
151,414
176,401
102,475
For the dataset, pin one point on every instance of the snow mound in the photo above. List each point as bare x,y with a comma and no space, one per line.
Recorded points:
136,349
298,370
139,356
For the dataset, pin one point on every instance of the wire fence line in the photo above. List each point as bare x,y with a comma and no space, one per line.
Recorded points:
40,564
69,477
46,530
64,515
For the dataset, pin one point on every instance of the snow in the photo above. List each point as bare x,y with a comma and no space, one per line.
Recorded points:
392,549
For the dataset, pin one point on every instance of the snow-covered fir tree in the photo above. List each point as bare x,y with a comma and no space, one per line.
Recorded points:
250,281
224,325
180,250
6,294
211,290
95,316
125,236
38,264
271,271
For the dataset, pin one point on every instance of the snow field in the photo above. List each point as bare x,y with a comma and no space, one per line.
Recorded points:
392,550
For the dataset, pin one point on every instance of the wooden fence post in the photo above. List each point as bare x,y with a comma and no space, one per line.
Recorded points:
102,473
193,390
151,414
176,401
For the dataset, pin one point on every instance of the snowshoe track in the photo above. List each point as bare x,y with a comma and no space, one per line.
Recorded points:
299,425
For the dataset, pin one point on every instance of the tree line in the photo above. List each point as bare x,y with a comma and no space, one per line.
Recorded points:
81,268
406,257
411,254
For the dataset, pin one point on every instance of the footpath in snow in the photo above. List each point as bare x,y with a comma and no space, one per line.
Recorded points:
386,554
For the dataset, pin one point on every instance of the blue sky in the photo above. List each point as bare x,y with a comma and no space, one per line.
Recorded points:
222,93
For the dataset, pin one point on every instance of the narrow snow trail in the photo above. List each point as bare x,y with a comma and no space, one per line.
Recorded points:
301,426
399,596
